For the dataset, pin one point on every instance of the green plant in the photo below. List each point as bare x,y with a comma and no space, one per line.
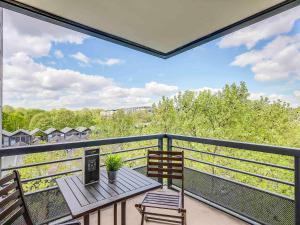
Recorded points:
113,162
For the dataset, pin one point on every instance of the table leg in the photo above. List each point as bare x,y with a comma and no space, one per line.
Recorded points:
123,213
86,219
99,217
115,214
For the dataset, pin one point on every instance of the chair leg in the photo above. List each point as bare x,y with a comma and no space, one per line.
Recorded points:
99,217
143,215
183,213
86,219
115,214
141,210
123,213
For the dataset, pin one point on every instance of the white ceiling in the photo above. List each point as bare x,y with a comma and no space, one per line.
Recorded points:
162,25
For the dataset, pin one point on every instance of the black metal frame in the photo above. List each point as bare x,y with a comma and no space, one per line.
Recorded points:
22,150
297,189
42,15
294,152
170,146
75,145
239,145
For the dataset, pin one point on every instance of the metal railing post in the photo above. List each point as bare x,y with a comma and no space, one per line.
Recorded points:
160,148
0,166
169,148
297,190
1,84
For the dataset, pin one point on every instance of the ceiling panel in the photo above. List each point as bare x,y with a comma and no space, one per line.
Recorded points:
163,26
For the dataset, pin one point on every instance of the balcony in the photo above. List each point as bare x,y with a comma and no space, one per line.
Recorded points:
196,210
224,182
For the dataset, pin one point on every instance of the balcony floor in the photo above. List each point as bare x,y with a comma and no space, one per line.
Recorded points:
197,214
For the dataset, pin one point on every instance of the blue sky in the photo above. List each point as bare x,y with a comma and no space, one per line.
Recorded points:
46,66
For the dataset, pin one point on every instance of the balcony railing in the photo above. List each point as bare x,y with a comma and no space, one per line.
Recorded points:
260,188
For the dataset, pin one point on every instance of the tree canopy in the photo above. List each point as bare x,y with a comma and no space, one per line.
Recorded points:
227,114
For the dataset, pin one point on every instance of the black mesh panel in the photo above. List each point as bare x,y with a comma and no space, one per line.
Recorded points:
142,170
19,221
46,206
266,208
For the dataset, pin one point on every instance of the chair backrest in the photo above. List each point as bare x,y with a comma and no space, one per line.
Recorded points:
166,164
12,204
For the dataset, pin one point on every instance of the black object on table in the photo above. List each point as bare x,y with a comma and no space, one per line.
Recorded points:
85,199
91,166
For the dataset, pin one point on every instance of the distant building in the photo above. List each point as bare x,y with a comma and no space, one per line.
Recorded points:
38,135
23,137
70,133
108,113
20,137
72,138
6,138
54,135
138,109
84,132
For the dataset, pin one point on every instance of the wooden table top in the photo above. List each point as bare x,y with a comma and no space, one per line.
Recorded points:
83,199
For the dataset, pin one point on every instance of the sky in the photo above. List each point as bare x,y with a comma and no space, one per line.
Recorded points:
47,66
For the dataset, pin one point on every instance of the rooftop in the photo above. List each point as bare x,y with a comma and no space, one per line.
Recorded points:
20,131
81,129
50,130
67,129
36,130
6,133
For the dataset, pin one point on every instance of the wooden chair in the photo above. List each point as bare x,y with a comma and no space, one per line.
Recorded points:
169,165
12,203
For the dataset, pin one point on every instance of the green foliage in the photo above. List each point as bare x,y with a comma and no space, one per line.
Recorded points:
29,119
113,162
227,114
230,114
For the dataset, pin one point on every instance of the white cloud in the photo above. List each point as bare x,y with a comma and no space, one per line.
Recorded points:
297,93
30,84
271,97
278,60
85,60
110,62
263,30
212,90
58,54
257,95
296,99
34,37
81,57
293,100
160,89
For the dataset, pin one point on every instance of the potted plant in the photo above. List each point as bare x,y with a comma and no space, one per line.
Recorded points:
113,163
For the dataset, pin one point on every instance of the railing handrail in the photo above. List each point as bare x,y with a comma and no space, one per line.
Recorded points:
29,149
280,150
290,151
21,150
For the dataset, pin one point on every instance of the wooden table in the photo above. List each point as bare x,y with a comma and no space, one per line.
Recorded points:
83,200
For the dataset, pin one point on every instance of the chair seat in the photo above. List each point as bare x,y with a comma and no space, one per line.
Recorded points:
162,200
